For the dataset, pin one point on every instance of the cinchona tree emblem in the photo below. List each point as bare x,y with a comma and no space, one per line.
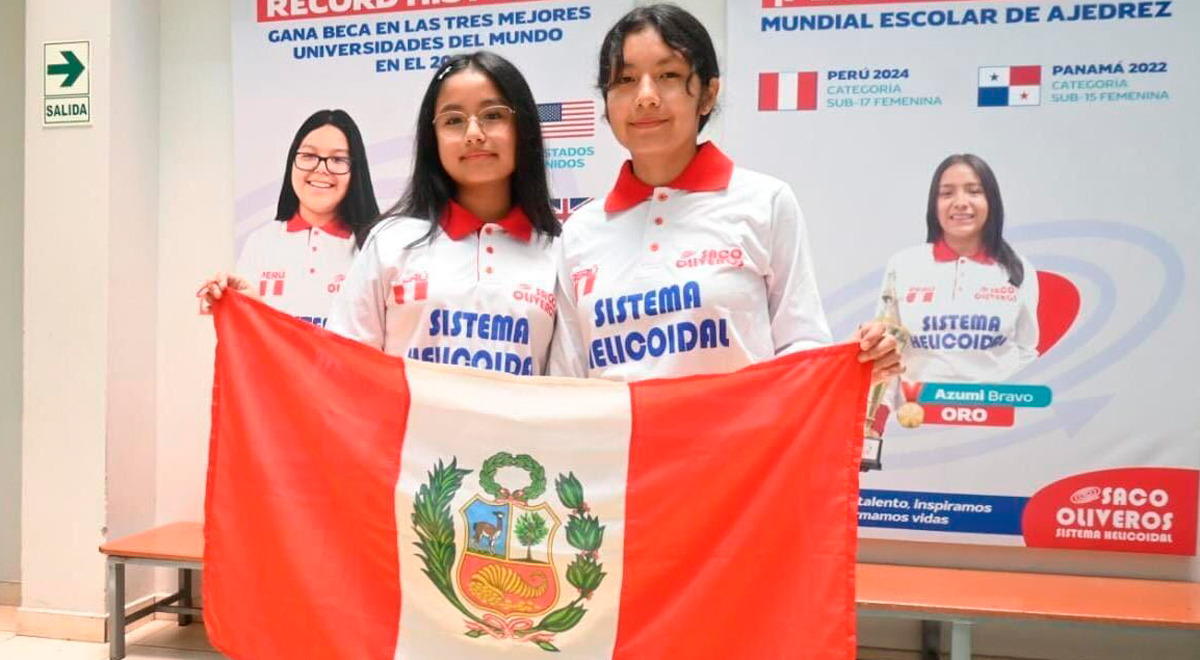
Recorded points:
506,582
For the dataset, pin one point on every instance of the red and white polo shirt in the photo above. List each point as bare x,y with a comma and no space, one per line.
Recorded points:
297,268
706,275
968,322
478,295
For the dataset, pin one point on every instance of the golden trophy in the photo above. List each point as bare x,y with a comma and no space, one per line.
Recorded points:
890,317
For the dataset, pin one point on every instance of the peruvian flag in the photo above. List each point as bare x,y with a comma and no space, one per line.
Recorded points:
365,507
790,90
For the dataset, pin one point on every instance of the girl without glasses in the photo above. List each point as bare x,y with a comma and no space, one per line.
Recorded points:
690,264
326,207
460,270
964,270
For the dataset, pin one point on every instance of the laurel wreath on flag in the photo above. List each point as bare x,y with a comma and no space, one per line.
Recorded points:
435,532
537,477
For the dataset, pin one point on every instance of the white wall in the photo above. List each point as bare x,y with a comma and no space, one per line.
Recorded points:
89,312
133,276
12,196
195,238
67,196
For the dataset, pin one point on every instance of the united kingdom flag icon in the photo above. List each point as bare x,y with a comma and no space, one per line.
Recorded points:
1007,86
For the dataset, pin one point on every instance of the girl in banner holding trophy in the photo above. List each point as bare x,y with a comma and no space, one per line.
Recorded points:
968,300
326,207
461,271
690,265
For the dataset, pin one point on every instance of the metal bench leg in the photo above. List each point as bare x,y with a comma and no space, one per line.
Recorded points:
931,640
960,640
116,608
185,594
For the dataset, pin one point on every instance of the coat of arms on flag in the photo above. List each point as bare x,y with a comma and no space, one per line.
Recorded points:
567,119
506,570
426,512
1004,86
789,90
565,206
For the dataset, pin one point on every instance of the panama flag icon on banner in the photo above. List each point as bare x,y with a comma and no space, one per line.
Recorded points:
1003,86
789,90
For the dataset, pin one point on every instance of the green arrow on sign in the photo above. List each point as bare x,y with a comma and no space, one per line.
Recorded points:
72,69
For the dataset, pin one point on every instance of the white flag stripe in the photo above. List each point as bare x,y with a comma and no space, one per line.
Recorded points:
993,76
788,90
568,426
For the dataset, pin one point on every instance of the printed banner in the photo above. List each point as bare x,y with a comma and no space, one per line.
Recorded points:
446,512
1046,401
374,60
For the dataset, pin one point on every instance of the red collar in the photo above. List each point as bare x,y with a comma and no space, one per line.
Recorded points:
459,223
943,253
709,171
334,228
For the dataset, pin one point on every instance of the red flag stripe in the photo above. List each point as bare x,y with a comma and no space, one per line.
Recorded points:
768,91
806,81
765,552
276,511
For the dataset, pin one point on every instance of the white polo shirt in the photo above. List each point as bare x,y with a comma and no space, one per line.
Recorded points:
968,323
297,268
706,275
478,295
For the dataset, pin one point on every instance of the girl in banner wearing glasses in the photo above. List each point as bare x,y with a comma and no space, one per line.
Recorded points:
690,265
326,207
967,298
461,271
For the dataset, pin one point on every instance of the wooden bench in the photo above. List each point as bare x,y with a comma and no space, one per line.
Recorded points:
963,597
960,597
179,546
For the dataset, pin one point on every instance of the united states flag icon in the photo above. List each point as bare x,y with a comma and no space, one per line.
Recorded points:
567,119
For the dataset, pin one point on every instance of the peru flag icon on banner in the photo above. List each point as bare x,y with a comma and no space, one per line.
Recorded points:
791,90
418,511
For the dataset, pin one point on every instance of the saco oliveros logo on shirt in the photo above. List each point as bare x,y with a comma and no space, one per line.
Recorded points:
718,257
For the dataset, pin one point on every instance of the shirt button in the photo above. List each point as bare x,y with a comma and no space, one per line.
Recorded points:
487,230
314,248
658,221
662,196
654,247
490,249
488,270
312,270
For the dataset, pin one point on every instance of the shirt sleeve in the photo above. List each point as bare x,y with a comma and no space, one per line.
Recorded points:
793,303
1027,335
567,354
249,262
359,309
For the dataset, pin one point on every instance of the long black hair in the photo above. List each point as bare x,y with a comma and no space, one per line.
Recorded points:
430,188
358,208
993,227
681,31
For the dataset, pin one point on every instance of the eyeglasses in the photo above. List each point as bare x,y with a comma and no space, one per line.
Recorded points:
333,164
453,123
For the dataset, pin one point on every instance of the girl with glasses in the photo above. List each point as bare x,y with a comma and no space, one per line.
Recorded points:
460,270
326,207
691,264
